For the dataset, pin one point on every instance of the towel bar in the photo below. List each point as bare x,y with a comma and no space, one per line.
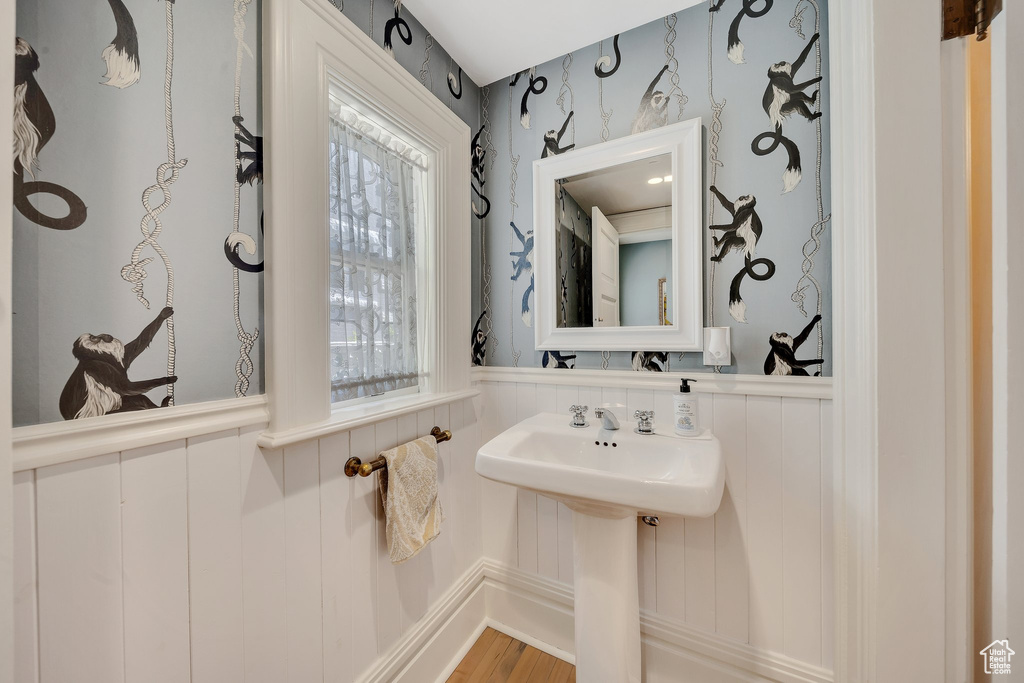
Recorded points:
354,466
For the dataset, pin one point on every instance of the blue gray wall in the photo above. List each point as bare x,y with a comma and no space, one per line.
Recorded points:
701,81
105,150
108,143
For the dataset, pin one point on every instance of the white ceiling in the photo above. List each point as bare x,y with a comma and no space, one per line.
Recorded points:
623,188
492,39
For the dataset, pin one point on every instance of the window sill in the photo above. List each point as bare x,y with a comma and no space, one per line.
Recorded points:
344,419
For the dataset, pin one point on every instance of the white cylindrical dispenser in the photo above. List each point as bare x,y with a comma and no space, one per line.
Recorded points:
686,419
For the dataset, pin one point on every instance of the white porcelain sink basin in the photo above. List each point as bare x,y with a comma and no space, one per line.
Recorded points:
605,472
607,478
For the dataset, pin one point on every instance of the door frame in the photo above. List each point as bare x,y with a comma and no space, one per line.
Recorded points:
6,315
892,511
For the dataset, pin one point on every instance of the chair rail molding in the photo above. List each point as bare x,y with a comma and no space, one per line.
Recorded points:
58,442
704,382
307,44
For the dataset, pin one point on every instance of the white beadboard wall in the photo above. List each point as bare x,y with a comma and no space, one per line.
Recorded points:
209,560
758,572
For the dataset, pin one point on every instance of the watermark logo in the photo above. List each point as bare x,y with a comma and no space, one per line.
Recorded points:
997,657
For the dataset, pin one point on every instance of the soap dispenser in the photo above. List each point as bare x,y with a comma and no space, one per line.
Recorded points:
686,410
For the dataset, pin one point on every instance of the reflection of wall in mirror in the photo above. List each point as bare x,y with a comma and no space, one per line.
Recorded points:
641,266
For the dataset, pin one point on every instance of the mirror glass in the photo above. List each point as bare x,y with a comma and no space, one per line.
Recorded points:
615,245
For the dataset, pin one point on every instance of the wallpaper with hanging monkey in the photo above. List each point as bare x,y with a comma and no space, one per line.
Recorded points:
755,72
138,173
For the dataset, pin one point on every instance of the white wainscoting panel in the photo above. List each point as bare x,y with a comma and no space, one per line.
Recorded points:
759,572
210,559
81,613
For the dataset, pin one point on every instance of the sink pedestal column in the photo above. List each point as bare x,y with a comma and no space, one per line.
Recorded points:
607,603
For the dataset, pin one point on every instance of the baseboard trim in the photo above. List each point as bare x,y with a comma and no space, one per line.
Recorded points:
552,602
436,641
539,612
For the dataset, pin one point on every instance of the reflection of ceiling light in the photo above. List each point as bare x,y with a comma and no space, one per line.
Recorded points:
668,179
654,181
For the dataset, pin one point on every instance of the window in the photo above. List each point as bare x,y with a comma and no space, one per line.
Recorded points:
375,218
368,232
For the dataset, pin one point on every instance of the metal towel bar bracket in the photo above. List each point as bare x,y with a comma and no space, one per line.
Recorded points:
354,466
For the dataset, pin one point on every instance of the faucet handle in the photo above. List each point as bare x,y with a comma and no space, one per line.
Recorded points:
645,421
579,415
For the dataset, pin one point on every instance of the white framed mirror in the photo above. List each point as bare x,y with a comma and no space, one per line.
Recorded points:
618,247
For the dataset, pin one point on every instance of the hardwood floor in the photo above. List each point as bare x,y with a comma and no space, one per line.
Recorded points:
498,658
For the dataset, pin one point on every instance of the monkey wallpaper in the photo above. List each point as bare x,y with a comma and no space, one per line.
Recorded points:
138,188
138,197
755,72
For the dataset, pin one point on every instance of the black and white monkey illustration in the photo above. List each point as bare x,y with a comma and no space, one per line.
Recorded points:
404,32
735,44
250,166
523,263
650,361
605,61
100,384
478,154
34,126
564,295
249,171
553,139
782,97
479,342
240,239
122,55
537,85
557,360
782,359
653,110
455,84
741,234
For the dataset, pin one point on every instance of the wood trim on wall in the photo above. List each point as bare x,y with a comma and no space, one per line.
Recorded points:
977,64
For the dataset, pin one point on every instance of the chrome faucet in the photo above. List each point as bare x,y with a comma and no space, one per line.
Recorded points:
579,416
645,422
607,417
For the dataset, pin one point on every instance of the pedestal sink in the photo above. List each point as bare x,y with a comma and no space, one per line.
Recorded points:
607,478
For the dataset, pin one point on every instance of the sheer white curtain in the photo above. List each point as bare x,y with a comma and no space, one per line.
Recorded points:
374,204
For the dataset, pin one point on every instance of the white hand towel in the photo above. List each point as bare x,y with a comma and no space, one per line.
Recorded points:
408,489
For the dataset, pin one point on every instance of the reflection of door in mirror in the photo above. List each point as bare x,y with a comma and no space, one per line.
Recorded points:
606,271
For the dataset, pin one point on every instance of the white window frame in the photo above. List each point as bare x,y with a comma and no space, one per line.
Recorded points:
308,45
